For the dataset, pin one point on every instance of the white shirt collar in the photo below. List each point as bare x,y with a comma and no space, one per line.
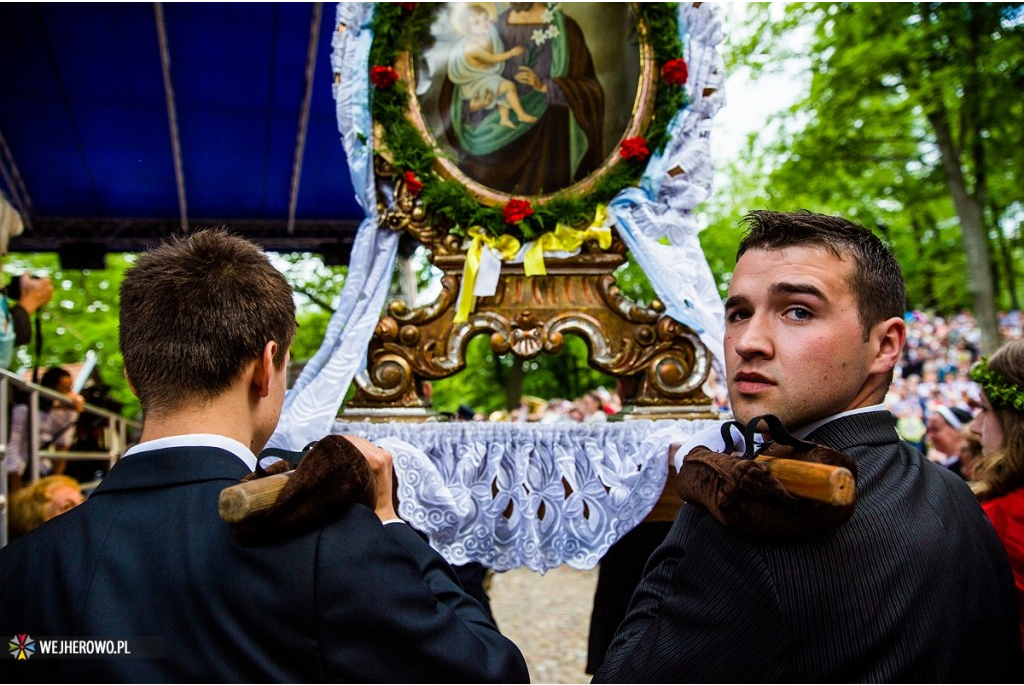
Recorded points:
810,428
198,440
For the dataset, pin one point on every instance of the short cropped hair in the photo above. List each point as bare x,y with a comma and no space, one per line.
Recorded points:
876,279
195,312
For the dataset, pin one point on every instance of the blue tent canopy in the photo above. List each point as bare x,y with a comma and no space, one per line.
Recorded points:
88,151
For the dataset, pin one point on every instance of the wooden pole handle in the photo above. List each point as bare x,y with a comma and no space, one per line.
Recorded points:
239,502
833,485
819,482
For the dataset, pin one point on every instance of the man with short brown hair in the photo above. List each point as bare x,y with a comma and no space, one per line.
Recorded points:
206,325
915,586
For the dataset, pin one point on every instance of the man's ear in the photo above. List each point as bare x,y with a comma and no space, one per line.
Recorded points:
264,369
891,334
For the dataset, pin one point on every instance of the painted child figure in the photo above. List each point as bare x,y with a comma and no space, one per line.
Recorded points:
476,63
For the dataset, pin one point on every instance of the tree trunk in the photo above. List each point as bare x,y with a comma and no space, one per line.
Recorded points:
514,384
1006,258
972,227
927,270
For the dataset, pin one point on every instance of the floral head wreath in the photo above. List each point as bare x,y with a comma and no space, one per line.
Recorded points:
1000,390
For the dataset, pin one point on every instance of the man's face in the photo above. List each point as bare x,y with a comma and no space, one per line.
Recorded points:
64,385
794,346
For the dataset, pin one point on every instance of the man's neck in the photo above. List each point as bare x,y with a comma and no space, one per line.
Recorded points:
225,415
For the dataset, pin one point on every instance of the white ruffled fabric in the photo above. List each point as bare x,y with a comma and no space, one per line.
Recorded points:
495,493
662,206
311,405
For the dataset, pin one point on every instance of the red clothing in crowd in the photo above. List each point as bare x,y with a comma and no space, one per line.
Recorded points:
1007,515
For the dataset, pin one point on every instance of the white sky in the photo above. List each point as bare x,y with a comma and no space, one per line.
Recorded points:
748,104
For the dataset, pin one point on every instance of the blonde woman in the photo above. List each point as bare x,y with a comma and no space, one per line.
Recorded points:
43,500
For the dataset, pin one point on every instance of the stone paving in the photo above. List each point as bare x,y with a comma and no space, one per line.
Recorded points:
548,617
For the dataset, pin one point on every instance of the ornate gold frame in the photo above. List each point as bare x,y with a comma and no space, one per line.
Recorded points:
643,106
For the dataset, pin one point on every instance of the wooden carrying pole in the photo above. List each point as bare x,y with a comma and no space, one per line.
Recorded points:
819,482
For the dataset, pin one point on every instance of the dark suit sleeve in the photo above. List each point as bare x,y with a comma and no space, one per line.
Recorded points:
705,610
389,605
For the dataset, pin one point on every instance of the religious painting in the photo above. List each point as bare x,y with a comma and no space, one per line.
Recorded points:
529,98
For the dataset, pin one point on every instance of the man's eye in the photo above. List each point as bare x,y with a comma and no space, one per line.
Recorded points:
737,315
798,313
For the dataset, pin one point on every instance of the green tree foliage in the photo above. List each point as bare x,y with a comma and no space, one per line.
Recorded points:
911,127
82,316
317,288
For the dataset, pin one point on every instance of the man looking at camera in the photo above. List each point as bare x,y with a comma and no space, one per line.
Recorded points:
912,588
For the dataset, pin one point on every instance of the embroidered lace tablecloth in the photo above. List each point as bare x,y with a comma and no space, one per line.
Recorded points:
527,494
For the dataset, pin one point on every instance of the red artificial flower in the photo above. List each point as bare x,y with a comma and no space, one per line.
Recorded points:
634,148
675,72
408,6
516,210
383,77
412,183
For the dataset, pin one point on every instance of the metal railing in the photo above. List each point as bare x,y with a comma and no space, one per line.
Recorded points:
116,436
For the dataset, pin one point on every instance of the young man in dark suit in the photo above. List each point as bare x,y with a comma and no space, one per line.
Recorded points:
206,324
912,588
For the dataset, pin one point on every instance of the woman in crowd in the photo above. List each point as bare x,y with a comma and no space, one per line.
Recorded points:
45,499
1000,475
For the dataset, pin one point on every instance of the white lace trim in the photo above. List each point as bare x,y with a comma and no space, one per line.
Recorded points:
496,493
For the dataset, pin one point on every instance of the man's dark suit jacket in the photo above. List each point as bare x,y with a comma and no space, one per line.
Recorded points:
147,556
914,587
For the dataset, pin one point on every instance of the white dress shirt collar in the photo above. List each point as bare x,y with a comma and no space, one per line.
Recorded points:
199,440
810,428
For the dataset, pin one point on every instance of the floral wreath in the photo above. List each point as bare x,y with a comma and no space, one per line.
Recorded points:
1000,390
397,26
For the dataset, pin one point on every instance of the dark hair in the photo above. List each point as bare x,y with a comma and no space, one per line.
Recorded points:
876,279
53,376
195,311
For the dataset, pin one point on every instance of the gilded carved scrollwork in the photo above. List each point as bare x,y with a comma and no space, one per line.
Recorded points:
660,363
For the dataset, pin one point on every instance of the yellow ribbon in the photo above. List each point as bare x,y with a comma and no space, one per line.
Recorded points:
566,239
505,245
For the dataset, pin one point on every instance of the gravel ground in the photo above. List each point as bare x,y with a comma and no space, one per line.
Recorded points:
548,617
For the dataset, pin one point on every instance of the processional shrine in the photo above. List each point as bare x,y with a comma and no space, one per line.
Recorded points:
524,268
